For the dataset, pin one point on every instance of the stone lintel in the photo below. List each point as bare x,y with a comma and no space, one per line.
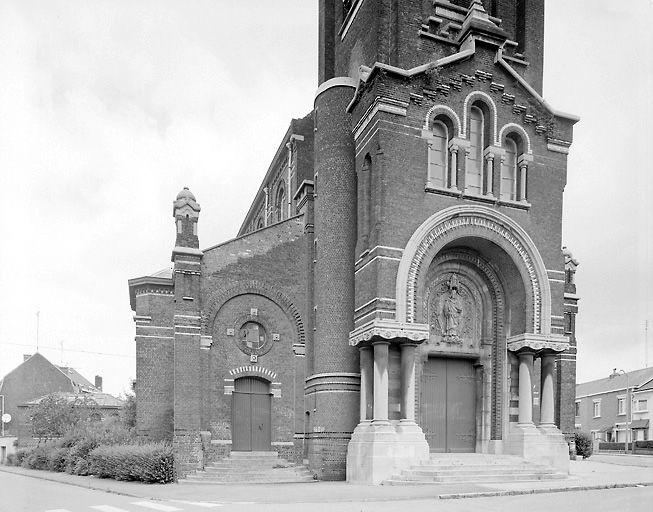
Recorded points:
538,342
385,329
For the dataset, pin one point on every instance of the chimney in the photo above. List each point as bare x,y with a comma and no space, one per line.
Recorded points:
26,357
98,382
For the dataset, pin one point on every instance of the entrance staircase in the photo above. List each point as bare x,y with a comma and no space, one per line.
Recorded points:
473,468
250,467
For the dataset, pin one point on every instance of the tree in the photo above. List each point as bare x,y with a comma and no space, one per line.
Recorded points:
129,412
55,414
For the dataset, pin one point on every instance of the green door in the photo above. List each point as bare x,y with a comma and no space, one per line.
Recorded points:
447,405
251,411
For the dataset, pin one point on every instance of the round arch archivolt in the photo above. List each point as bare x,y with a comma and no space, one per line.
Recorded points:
514,127
487,99
476,221
447,111
215,303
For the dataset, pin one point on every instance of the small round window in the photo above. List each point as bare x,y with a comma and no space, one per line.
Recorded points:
253,336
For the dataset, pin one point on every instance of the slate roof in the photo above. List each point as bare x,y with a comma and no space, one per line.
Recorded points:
610,384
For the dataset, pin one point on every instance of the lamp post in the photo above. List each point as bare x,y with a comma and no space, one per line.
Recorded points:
2,413
629,411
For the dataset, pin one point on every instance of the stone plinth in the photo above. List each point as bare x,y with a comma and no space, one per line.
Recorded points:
379,450
542,445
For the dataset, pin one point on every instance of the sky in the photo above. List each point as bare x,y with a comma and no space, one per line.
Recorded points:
109,108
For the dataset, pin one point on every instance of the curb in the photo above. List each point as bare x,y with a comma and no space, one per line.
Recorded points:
575,488
87,485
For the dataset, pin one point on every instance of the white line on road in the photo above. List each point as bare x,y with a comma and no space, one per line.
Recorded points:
203,504
57,510
108,508
155,506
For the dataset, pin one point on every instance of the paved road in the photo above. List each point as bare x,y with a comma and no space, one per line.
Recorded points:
24,494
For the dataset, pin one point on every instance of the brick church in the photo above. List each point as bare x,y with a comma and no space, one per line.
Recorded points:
397,287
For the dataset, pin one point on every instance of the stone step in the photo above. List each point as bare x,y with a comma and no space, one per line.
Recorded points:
478,478
254,455
250,467
427,470
212,481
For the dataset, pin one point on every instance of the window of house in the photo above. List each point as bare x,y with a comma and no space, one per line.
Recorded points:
641,405
438,155
509,171
474,164
577,409
597,408
621,405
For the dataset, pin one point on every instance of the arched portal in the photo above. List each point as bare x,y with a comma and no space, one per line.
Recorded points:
475,278
251,415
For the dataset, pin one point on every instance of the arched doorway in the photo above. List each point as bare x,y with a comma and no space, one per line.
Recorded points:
251,415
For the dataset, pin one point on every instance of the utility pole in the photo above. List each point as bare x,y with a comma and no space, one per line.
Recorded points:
38,313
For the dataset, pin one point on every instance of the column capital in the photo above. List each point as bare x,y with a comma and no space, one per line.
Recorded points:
389,330
538,342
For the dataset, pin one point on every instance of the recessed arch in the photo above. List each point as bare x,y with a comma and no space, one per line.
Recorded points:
514,127
487,99
215,303
444,110
483,222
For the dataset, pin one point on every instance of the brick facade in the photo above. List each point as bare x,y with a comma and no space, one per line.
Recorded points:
347,231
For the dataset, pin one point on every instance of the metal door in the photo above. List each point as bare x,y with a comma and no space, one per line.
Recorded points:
251,422
447,405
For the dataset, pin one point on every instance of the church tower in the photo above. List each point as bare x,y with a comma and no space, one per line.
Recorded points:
439,175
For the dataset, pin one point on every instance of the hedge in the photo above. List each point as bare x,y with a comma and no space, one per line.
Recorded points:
613,446
151,463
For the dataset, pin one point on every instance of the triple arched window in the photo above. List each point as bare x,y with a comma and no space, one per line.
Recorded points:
476,166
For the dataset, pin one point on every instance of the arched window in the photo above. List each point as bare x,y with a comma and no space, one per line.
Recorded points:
280,203
259,223
438,155
509,171
474,164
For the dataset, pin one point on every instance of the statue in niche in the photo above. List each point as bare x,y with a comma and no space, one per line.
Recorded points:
452,311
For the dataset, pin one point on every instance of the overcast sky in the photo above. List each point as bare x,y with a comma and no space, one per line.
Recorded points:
109,108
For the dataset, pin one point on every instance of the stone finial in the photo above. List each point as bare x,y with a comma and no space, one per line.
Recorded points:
185,204
477,23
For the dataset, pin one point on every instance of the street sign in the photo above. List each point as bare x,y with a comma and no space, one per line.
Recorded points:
6,418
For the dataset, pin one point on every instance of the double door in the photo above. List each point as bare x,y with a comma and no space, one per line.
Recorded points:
448,405
251,421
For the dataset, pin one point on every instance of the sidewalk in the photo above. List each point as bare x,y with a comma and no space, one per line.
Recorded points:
584,475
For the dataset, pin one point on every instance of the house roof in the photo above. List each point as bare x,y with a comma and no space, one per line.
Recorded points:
76,378
617,383
101,399
647,386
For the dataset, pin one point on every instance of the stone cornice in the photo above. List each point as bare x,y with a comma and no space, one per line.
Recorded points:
385,329
538,342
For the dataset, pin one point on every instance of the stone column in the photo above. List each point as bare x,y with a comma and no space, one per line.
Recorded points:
408,382
489,157
523,166
381,382
525,389
453,168
546,391
366,382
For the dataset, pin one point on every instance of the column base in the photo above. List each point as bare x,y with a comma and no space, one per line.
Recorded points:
542,445
378,451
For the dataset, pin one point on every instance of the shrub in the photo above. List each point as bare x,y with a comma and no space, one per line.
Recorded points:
584,444
613,446
37,458
146,463
11,459
56,458
19,456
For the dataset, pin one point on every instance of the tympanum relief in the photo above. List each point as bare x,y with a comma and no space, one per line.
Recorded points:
454,312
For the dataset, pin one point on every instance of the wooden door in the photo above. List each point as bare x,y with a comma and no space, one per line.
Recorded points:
447,405
251,411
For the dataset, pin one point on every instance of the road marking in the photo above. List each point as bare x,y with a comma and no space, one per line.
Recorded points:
57,510
203,504
155,506
108,508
